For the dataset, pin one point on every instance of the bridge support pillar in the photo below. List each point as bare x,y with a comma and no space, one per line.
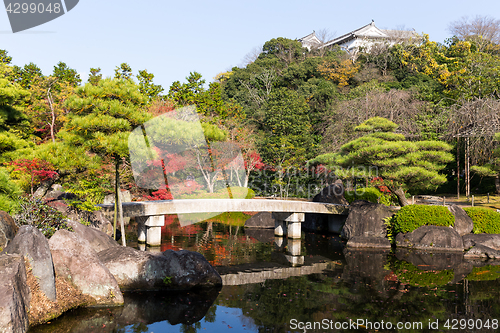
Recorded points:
141,229
279,228
294,221
294,246
149,229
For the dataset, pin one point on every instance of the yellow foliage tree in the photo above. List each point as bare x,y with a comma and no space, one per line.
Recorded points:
338,71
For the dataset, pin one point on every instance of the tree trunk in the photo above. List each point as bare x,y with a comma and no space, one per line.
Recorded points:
118,204
497,184
400,194
458,167
52,124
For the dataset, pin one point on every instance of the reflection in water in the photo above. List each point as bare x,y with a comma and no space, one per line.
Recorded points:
140,310
262,291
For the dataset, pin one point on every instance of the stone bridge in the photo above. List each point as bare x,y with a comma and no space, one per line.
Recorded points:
288,214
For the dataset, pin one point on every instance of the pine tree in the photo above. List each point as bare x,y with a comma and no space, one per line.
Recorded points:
101,117
13,124
382,153
95,76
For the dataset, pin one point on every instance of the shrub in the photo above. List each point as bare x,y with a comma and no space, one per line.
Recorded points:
371,194
9,192
88,194
35,212
237,192
412,217
389,225
485,220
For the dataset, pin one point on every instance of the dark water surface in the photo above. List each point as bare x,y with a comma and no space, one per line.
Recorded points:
278,285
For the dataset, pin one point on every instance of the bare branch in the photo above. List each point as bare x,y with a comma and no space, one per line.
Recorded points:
325,35
251,56
481,29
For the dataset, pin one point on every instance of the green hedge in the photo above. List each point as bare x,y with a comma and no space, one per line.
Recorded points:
485,220
371,194
412,217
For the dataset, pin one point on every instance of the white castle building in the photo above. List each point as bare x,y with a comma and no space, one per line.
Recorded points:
364,37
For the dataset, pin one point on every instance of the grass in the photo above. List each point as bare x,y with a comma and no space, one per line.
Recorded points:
480,200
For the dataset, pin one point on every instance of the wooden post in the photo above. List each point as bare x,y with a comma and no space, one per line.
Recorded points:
412,199
472,201
444,201
488,197
458,167
467,169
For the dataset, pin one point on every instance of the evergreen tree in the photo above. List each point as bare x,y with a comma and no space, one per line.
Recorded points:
382,153
95,76
147,87
14,130
67,75
26,75
288,141
4,58
124,71
9,192
100,120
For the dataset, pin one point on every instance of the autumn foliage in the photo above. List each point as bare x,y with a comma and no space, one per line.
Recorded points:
38,170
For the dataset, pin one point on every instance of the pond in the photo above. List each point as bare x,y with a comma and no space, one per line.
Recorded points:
313,284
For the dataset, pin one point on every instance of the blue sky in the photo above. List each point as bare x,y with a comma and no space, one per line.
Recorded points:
171,39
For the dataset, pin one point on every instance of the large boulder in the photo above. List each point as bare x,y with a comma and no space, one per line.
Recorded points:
32,244
333,193
463,223
15,295
98,240
54,192
8,229
56,197
75,260
174,270
368,242
263,220
262,235
489,240
95,219
366,219
481,251
431,237
42,190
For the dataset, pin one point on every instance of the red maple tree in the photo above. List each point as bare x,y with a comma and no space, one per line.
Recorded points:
39,170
